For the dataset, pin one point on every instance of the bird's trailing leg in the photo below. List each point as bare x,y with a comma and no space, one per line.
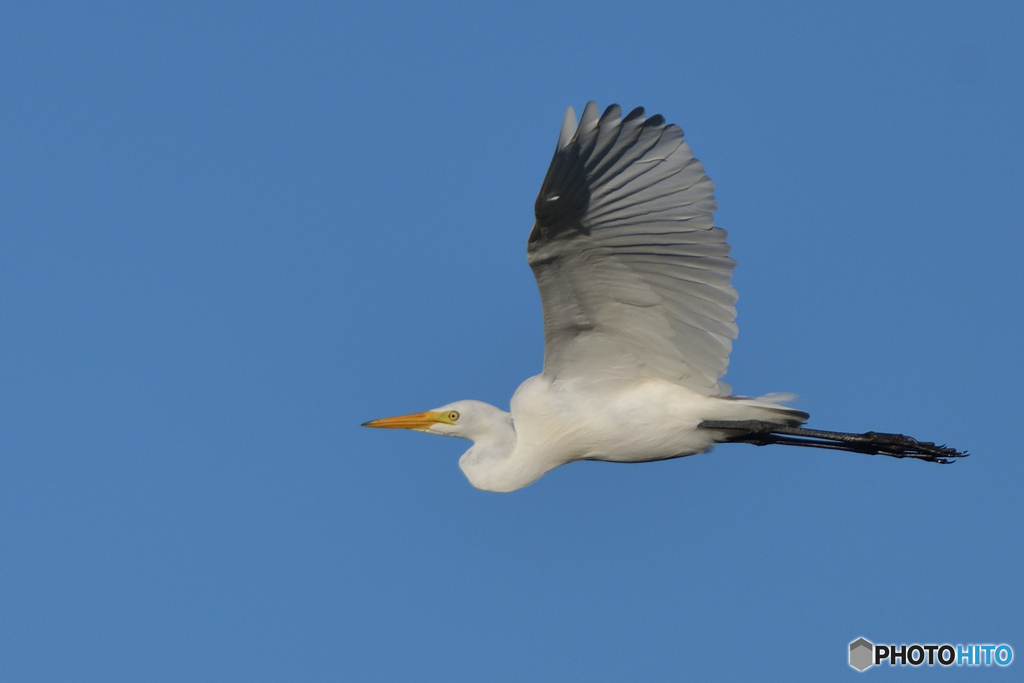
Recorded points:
761,433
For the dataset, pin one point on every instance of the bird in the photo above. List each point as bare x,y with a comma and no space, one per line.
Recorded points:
639,317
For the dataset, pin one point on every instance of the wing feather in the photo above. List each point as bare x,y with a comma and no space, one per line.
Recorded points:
634,277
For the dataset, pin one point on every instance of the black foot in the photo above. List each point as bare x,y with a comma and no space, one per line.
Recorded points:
762,433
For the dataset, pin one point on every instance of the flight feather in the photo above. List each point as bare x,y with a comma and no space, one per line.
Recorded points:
634,277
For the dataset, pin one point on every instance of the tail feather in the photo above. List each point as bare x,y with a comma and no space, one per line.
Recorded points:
770,409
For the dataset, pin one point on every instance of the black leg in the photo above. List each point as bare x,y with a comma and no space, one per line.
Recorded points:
762,433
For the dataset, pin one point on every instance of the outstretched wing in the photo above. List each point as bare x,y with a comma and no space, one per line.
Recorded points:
633,275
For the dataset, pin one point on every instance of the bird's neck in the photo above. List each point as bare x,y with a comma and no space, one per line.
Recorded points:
491,464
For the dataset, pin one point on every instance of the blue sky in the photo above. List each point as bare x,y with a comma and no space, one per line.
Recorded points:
233,232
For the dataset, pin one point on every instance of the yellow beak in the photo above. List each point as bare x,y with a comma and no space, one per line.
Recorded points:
413,421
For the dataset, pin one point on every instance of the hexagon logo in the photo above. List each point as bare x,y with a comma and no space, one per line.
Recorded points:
862,654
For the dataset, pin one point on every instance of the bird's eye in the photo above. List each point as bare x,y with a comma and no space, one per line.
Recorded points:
453,415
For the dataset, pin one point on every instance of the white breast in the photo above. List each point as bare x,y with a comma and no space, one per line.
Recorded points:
618,420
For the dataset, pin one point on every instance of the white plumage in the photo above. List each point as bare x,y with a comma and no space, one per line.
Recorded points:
633,275
639,318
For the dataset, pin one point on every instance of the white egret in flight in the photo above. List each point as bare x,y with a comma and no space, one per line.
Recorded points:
639,319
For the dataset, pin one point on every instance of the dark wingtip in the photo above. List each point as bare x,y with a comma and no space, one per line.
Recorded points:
637,113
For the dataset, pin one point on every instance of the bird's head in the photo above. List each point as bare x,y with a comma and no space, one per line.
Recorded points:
465,419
